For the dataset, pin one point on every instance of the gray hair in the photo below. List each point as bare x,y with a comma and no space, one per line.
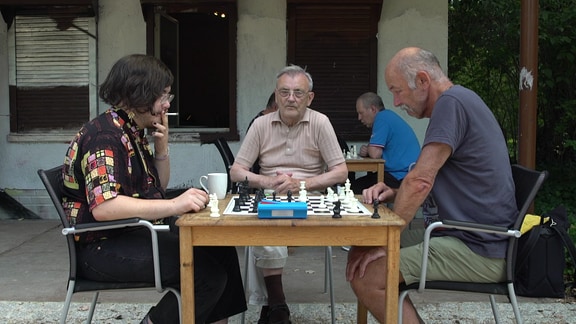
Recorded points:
422,60
293,70
371,99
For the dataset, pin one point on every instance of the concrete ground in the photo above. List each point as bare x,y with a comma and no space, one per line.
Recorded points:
34,269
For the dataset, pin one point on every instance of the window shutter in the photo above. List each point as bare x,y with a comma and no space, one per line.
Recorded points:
52,72
337,46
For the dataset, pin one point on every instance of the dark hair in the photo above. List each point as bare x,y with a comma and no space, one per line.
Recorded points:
136,81
271,101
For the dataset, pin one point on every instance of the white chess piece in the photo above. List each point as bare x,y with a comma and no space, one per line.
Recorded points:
347,185
322,204
214,211
302,193
329,192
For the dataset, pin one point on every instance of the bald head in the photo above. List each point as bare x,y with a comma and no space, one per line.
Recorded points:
410,60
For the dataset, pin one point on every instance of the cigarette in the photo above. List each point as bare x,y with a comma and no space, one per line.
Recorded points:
171,114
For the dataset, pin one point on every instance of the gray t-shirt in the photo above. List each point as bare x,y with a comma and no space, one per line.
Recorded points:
475,184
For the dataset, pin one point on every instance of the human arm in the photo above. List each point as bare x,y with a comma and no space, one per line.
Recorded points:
334,175
161,151
123,206
373,152
419,182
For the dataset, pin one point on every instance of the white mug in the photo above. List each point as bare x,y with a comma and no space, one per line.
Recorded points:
217,183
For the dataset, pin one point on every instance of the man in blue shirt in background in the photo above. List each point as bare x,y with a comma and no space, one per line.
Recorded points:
392,140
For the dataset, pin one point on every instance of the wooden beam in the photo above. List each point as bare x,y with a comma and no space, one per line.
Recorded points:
528,83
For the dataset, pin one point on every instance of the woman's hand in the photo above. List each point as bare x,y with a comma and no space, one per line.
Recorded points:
191,200
160,135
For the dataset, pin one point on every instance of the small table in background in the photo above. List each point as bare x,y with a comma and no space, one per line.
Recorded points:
367,165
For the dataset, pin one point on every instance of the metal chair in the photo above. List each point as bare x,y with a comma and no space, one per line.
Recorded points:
527,183
53,181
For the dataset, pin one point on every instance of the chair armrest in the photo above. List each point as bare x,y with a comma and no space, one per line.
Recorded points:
459,225
475,227
129,222
98,226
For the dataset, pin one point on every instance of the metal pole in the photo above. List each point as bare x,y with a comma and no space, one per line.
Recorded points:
528,83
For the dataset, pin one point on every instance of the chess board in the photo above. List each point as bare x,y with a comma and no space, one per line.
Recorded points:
313,203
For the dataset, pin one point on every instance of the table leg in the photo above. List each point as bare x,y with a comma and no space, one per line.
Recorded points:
361,314
393,275
380,172
187,275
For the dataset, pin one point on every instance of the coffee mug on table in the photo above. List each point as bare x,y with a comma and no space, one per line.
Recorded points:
216,183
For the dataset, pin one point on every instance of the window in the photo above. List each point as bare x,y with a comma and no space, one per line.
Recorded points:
198,43
337,44
50,71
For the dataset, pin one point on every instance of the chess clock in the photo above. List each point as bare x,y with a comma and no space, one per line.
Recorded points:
278,209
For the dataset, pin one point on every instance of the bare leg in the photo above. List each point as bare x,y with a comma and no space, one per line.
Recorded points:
371,291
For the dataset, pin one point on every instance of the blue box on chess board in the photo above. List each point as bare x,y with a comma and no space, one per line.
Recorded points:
281,209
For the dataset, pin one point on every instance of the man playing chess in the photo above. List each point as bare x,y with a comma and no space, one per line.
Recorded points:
293,144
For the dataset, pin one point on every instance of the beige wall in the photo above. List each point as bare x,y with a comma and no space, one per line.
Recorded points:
261,53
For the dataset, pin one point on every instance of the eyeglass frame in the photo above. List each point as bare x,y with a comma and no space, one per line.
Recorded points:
297,93
167,97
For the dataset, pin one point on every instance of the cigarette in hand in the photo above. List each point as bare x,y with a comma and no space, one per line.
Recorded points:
171,114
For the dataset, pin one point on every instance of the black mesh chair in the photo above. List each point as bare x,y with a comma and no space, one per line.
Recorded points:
52,180
527,183
227,157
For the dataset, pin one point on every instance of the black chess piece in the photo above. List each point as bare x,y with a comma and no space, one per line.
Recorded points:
236,205
289,195
274,196
336,209
375,204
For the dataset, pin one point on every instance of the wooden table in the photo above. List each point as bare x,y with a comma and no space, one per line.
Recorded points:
199,229
366,164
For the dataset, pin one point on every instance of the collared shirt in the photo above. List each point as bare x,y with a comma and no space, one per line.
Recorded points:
305,149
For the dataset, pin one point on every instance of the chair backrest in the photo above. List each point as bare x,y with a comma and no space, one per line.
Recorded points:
54,183
527,182
227,158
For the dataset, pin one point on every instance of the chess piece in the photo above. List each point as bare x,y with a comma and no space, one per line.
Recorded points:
236,205
329,192
322,204
289,195
274,196
214,211
302,193
336,209
375,204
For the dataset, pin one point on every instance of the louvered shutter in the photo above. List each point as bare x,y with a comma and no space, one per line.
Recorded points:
52,72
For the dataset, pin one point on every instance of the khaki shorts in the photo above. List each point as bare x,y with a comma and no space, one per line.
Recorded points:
449,259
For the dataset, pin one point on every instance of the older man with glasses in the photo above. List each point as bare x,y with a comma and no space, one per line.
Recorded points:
293,144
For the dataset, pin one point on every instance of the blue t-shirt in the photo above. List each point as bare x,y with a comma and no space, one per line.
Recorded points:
475,184
399,144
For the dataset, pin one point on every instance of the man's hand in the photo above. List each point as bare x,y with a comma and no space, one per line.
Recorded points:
359,258
378,191
363,151
284,182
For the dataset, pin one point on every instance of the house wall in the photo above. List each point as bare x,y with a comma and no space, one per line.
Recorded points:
261,53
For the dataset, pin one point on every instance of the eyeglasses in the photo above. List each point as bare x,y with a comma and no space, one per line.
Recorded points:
285,93
167,97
